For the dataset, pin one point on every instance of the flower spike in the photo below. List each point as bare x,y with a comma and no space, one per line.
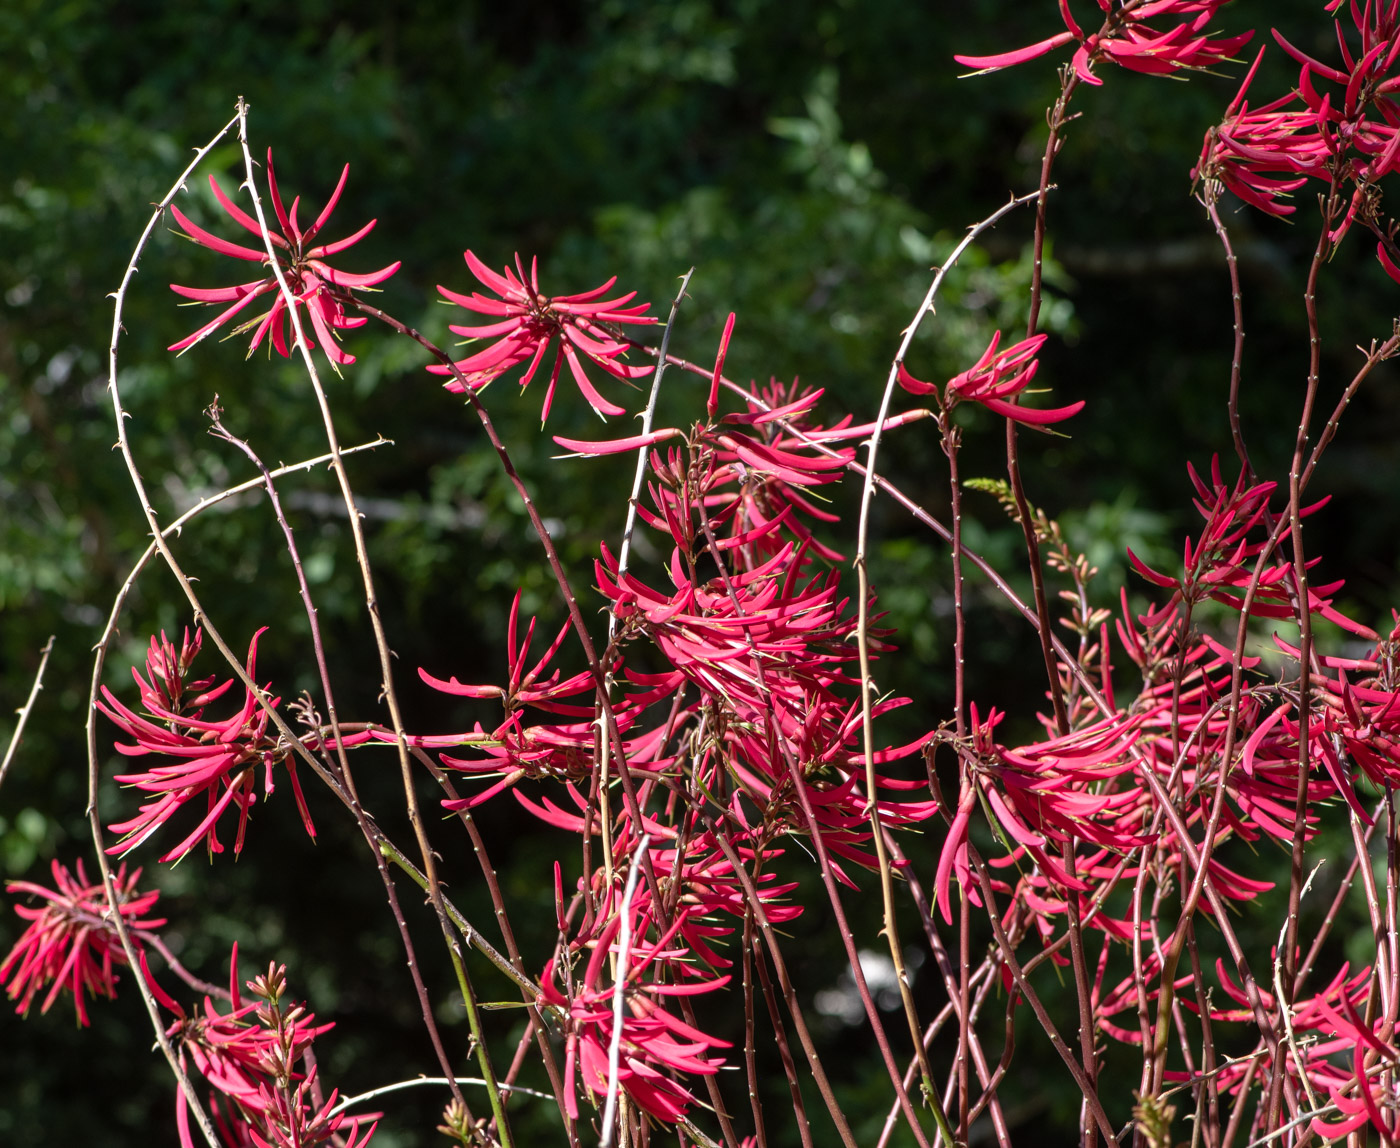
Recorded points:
528,323
317,287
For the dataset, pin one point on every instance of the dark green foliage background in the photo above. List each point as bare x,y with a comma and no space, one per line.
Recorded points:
811,162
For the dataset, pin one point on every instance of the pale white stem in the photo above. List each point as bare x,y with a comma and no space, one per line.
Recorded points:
1285,1007
624,945
648,416
863,640
441,1081
118,921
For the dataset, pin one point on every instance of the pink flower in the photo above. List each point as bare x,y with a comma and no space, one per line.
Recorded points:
1220,565
314,284
289,1118
216,759
1126,40
1348,138
1328,1024
71,942
528,322
656,1046
994,378
248,1056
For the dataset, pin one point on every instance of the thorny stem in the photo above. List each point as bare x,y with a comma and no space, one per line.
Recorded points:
483,1052
624,553
517,963
381,642
1304,618
118,921
418,1081
662,361
799,1022
469,932
867,686
799,1110
1208,1097
218,429
799,787
952,985
197,983
750,1044
619,996
1211,199
1008,953
1057,117
950,436
25,710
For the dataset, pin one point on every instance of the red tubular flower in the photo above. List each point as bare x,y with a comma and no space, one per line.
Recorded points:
1347,138
528,322
1126,40
290,1119
71,942
1327,1025
217,759
1219,565
248,1056
656,1046
314,284
709,885
993,379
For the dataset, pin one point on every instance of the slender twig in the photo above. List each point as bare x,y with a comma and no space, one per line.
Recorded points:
619,996
1285,1006
1210,198
624,554
891,930
25,710
770,998
1023,986
118,921
199,985
750,1044
780,748
517,962
469,932
385,1089
648,414
951,984
1330,205
799,1022
381,643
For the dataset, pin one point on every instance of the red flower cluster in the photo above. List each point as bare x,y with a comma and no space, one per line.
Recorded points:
1126,40
1219,565
315,284
993,379
1087,807
214,759
655,1045
1327,1026
755,695
248,1056
528,323
1347,138
71,942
